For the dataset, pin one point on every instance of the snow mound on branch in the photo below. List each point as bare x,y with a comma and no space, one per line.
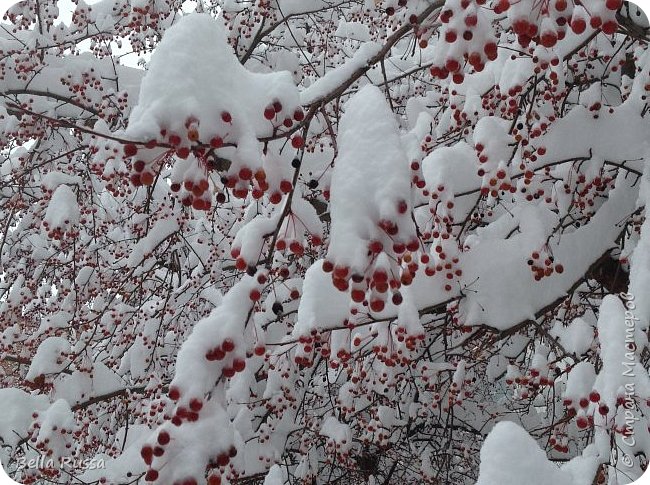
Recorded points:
336,77
510,456
370,179
576,337
49,357
486,272
63,210
16,416
159,233
195,73
322,306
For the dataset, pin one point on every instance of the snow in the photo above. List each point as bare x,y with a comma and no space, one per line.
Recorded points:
640,263
370,178
338,432
509,456
612,337
580,382
335,77
50,351
160,231
576,337
486,273
16,416
322,306
52,180
194,73
195,375
133,306
63,210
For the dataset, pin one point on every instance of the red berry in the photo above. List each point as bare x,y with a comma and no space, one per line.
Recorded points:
174,139
135,179
196,404
451,36
183,152
146,178
595,21
226,117
471,20
578,25
174,394
139,165
285,186
377,305
452,65
147,454
269,113
610,27
228,345
151,476
163,438
297,142
239,365
130,149
491,50
548,39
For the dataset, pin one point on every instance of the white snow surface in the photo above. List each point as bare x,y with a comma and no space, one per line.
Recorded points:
509,456
370,177
194,72
335,77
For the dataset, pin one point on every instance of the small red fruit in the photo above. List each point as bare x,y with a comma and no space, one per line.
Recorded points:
269,113
239,365
146,178
174,139
147,454
151,476
377,305
139,165
578,25
610,27
163,438
196,404
130,150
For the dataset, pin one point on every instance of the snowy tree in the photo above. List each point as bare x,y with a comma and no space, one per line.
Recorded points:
324,241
